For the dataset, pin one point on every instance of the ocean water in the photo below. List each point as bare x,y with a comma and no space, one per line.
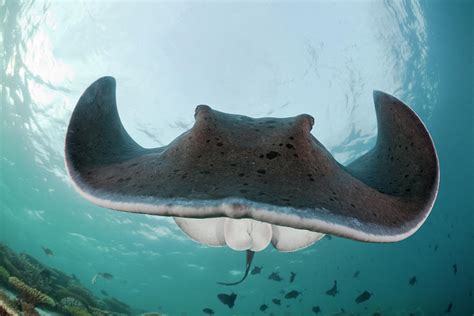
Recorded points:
258,59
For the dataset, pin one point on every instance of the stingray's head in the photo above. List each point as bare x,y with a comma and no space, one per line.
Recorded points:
243,182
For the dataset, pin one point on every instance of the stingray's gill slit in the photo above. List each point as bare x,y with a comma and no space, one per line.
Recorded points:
242,182
248,263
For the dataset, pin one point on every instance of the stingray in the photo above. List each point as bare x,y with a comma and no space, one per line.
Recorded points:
412,281
227,299
333,291
242,182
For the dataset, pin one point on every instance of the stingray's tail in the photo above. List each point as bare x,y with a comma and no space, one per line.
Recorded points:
249,259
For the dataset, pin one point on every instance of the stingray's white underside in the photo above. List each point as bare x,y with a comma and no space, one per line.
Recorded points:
246,234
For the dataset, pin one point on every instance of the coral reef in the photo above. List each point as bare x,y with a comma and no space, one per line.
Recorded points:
7,307
37,284
77,311
28,309
4,275
71,302
31,295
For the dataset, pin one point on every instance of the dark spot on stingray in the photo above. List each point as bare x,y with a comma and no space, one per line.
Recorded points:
263,307
276,301
450,306
261,156
291,138
290,146
275,276
354,205
241,174
256,270
208,141
295,155
208,311
219,144
292,277
356,274
333,291
455,269
365,296
233,164
316,309
412,280
280,144
292,294
272,154
227,299
262,171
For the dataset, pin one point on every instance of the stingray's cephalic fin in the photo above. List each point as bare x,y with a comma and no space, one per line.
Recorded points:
249,258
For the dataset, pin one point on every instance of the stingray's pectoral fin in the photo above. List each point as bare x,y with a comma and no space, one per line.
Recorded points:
249,258
402,169
97,145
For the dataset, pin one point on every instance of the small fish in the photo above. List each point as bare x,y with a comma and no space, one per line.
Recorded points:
227,299
208,311
436,247
450,306
47,251
275,276
412,280
356,274
256,270
292,277
316,309
276,301
333,291
292,294
363,297
106,275
104,293
455,268
263,307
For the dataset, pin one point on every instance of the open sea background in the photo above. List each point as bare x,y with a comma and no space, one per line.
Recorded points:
253,58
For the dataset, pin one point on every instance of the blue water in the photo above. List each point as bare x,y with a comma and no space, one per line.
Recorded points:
256,59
